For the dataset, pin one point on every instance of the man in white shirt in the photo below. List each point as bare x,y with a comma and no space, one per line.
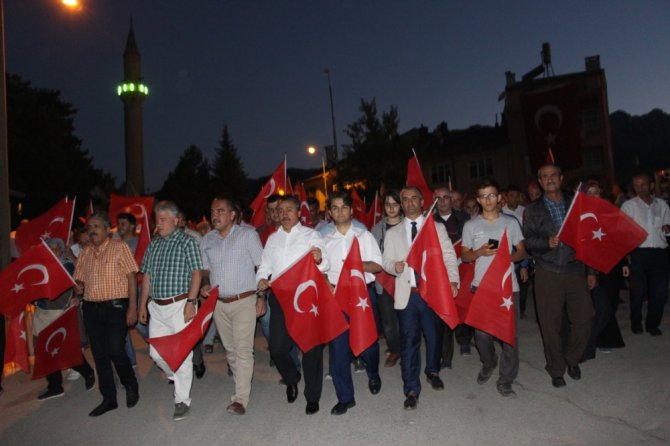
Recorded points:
649,261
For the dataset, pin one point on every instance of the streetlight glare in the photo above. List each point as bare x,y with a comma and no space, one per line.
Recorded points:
311,150
72,4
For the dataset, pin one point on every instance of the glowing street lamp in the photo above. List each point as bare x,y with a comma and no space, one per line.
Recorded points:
74,5
313,151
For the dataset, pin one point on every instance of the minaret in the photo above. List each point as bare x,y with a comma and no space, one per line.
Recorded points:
132,92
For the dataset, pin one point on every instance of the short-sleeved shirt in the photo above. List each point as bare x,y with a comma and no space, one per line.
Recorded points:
104,270
170,262
478,231
651,217
231,260
338,246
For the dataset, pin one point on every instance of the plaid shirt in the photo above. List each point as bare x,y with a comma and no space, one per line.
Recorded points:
104,270
170,261
556,210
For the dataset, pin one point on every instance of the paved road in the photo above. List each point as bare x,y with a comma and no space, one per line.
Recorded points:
622,399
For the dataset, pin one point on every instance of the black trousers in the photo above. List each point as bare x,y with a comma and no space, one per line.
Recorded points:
106,327
280,350
55,379
648,276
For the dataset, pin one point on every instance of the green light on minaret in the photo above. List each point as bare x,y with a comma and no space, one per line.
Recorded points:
131,87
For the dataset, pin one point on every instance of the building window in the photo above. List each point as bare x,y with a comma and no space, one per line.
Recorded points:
593,157
590,121
440,174
481,168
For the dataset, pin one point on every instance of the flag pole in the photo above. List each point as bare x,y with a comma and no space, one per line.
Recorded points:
285,183
574,198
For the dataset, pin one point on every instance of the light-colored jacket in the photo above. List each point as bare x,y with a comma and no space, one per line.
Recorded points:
396,248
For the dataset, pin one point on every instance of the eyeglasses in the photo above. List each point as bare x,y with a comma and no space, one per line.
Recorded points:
490,196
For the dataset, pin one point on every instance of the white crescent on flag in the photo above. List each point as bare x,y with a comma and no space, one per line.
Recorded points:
204,322
423,265
586,215
38,267
273,186
359,275
54,352
548,109
301,288
57,220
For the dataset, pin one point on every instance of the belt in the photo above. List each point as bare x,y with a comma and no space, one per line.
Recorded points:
414,290
106,302
170,300
240,296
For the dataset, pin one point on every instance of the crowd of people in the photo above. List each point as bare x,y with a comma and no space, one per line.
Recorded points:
575,306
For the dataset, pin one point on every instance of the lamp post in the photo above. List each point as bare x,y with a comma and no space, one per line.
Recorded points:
312,151
332,114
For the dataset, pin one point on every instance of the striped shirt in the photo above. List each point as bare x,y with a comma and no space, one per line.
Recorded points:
169,262
104,270
231,260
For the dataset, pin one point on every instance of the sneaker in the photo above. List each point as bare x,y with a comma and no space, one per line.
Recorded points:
605,350
180,411
485,373
328,377
73,375
505,389
359,366
49,394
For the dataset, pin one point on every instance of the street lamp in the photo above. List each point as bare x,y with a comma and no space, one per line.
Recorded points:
313,151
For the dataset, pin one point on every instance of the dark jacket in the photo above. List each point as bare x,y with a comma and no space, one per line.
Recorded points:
459,216
538,226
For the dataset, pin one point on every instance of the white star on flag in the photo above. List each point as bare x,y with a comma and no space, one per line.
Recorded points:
23,335
46,235
54,352
17,287
507,302
363,303
599,234
551,138
314,310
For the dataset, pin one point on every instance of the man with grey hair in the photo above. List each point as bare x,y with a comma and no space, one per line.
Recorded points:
105,275
171,268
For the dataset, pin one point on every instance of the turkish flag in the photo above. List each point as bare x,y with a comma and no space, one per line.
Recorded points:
415,178
425,257
175,348
144,238
276,184
352,295
387,282
492,307
58,345
466,272
359,207
36,274
139,206
54,223
16,346
375,211
312,315
551,120
305,215
599,232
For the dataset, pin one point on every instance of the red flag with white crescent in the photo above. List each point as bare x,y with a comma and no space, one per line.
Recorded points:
175,348
58,345
35,275
301,194
276,184
492,307
375,211
415,178
312,314
358,207
54,223
352,295
16,346
425,257
138,206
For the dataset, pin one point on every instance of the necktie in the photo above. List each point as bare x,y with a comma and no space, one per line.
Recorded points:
414,231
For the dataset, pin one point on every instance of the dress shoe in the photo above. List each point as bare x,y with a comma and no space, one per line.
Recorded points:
104,407
341,408
89,381
575,372
445,364
505,389
236,408
411,401
291,393
199,370
558,381
132,395
435,381
485,373
49,394
391,360
654,331
636,329
180,411
375,385
311,408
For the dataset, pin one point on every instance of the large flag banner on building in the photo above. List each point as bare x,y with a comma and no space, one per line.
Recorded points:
599,232
54,223
313,316
35,275
175,348
276,184
352,295
551,121
425,257
415,178
16,347
138,206
58,345
492,307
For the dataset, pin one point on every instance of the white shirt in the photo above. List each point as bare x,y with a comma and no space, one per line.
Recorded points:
408,232
651,218
338,246
285,248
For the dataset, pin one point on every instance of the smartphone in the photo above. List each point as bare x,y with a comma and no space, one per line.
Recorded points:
493,243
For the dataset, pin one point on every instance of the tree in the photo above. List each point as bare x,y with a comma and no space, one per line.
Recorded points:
188,185
228,176
46,161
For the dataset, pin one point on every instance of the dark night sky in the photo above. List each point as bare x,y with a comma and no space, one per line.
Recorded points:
258,66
